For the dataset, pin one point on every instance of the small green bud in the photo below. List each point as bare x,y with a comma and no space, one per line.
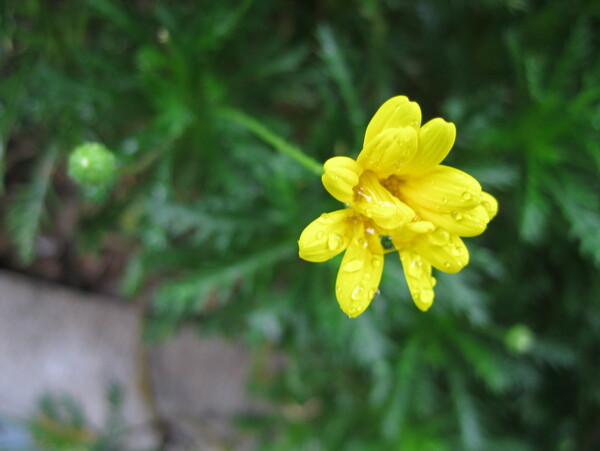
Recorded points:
519,339
92,164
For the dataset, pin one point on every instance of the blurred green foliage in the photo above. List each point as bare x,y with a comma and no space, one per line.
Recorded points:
60,424
507,358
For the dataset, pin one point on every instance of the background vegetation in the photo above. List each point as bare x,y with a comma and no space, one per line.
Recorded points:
208,213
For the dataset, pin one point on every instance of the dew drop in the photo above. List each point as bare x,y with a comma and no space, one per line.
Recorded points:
457,215
319,235
334,241
426,296
445,200
325,219
353,265
415,268
447,265
369,212
375,262
433,281
466,195
439,237
457,251
353,312
357,293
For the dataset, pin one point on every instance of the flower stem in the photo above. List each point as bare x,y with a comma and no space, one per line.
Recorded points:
270,138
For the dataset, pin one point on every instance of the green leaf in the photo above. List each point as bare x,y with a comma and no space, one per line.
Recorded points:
190,293
399,404
27,207
580,204
338,68
467,413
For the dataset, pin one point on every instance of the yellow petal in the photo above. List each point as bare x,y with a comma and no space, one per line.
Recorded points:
443,250
360,272
490,204
403,237
327,236
396,112
459,222
387,152
374,201
341,175
419,227
444,189
418,276
436,138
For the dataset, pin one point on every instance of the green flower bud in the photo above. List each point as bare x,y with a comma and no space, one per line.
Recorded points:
519,339
92,164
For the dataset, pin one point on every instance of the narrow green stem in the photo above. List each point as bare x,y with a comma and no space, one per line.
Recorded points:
270,138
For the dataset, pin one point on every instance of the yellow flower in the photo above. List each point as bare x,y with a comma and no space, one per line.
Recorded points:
362,265
397,187
422,245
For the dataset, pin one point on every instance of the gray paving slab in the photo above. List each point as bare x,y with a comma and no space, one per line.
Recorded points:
59,340
54,339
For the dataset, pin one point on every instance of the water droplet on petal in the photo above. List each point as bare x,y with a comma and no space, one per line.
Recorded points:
319,235
325,219
447,265
353,265
439,237
415,268
375,262
466,195
457,215
334,241
457,251
357,293
433,281
426,296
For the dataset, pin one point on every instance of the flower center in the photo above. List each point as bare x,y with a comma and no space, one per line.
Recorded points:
393,184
